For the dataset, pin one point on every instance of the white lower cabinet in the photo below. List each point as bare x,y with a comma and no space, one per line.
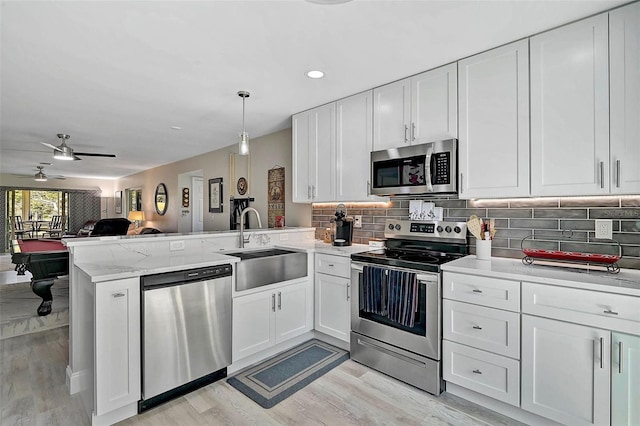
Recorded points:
565,371
117,344
266,318
332,296
625,379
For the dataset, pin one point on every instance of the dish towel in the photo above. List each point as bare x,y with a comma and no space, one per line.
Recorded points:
403,297
373,297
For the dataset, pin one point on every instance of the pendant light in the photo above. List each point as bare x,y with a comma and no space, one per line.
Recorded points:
40,176
243,144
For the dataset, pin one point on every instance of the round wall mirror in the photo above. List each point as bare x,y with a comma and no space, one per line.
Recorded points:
162,199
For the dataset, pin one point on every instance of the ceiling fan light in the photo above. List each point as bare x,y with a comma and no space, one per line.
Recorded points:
63,153
40,177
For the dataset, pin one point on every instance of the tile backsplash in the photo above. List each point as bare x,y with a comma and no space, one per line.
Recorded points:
553,223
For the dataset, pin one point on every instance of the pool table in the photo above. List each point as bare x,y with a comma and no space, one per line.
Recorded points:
46,259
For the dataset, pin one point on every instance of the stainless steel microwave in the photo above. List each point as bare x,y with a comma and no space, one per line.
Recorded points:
429,168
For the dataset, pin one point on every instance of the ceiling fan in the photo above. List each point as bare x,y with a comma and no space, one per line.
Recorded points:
64,152
41,176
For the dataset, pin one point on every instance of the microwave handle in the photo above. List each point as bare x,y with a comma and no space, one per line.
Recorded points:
429,172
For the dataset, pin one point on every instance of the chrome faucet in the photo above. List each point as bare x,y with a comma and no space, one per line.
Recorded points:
242,215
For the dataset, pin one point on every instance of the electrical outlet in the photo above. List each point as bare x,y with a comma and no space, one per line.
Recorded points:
357,221
176,245
604,229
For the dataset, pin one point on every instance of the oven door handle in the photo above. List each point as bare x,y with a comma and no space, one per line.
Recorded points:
426,278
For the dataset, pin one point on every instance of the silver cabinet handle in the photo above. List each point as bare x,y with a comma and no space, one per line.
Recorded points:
413,131
308,191
618,173
114,295
461,182
601,352
610,312
476,290
602,174
313,191
477,327
273,302
368,188
620,357
348,291
406,129
330,265
279,301
477,371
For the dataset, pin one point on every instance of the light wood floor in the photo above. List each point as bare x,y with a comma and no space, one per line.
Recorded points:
33,392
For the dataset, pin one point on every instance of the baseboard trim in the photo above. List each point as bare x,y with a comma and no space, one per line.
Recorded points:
73,381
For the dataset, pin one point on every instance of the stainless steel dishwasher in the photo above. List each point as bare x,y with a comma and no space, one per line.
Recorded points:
186,331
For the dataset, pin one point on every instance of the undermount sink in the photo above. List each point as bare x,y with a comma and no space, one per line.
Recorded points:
263,267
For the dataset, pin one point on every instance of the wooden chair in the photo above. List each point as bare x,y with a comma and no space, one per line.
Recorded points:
18,227
55,227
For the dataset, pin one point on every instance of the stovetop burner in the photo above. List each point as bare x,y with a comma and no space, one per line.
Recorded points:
409,246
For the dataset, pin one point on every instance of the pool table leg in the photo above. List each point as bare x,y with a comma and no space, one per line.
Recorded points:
20,268
42,288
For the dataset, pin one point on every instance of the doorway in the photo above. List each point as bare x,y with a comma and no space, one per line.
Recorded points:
29,213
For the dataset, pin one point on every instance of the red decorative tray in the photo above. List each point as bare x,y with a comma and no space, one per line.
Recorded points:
571,255
608,261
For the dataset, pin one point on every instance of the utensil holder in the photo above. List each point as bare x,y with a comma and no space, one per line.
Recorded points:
483,249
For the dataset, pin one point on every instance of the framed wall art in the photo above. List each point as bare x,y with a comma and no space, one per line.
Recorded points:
215,195
118,202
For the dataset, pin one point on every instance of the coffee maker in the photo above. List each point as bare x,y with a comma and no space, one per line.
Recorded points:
341,227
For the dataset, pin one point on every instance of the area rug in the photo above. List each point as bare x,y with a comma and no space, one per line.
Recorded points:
18,306
279,377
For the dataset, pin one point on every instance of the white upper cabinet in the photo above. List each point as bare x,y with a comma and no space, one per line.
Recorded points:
624,56
434,105
354,142
391,114
415,110
494,122
314,154
570,109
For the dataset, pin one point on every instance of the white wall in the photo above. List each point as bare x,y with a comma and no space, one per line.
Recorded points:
265,153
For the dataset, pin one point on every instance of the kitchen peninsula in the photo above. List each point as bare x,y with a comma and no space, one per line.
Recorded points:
105,312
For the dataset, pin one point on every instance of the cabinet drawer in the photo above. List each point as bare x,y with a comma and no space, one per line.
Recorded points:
484,328
485,291
489,374
604,310
333,265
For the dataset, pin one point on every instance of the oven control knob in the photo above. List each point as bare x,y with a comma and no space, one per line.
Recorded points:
398,227
448,229
457,229
440,228
391,227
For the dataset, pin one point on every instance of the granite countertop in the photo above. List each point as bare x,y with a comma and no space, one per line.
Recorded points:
625,282
136,266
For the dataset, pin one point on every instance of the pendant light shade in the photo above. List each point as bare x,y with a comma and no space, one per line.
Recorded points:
40,176
243,144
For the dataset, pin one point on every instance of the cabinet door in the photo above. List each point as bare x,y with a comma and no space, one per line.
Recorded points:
294,311
354,142
625,382
570,109
494,123
253,323
117,340
391,115
300,148
322,156
332,313
434,105
565,371
624,45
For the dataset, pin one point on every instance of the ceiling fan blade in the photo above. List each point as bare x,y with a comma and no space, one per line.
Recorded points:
51,146
92,154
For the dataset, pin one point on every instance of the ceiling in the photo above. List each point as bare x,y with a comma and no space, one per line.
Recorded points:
117,75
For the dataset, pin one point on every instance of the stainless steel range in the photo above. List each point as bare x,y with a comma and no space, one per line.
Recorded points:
396,312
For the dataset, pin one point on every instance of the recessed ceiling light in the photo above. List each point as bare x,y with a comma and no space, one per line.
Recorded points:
315,74
176,127
328,2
